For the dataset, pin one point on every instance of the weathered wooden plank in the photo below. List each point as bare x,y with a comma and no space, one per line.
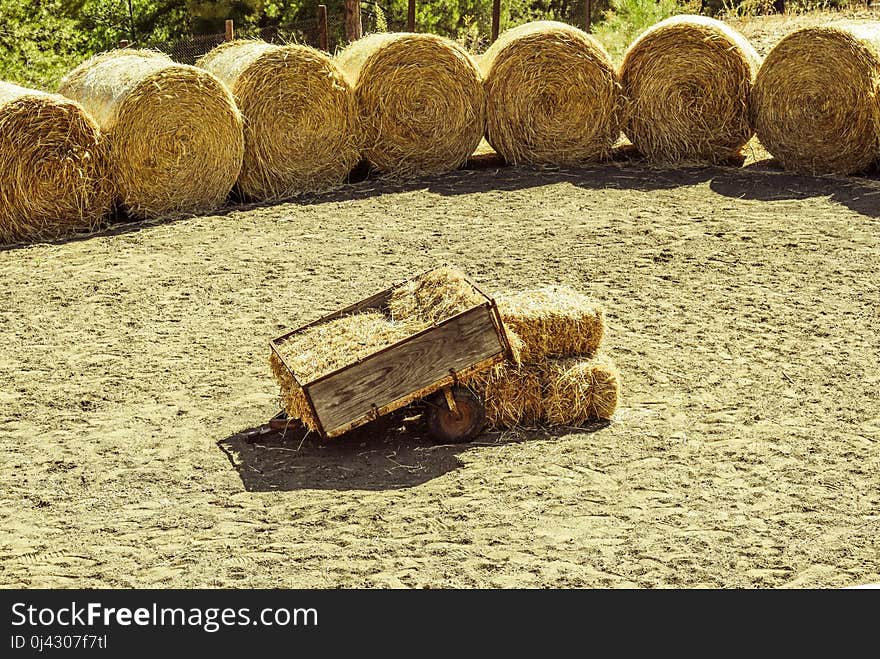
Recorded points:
448,381
414,364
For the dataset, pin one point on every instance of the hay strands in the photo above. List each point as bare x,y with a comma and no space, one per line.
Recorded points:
428,361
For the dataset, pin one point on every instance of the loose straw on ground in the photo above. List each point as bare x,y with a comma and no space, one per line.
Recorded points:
815,102
175,135
53,179
686,85
420,102
552,95
301,132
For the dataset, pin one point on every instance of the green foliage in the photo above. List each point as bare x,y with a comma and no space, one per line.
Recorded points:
627,19
38,43
40,40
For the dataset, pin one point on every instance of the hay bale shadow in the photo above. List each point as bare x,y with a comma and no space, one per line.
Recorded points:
763,182
389,454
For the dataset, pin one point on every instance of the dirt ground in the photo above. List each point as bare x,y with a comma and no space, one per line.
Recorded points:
743,307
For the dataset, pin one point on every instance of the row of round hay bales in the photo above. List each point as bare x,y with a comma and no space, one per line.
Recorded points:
689,89
161,138
174,135
131,128
681,93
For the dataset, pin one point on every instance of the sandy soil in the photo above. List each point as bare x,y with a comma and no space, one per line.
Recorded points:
743,311
764,32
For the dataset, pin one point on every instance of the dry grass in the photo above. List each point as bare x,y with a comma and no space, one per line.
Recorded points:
301,132
434,296
175,135
52,167
420,102
554,321
321,349
686,83
552,95
815,103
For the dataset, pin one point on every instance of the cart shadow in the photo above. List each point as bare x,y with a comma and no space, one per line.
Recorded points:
389,454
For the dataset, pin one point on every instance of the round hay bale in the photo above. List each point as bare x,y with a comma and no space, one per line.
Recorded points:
175,135
300,121
686,84
420,101
552,95
815,104
52,178
579,390
554,321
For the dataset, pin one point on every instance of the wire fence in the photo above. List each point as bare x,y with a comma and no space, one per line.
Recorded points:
373,19
190,49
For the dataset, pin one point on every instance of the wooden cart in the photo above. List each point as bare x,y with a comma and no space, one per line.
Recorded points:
427,365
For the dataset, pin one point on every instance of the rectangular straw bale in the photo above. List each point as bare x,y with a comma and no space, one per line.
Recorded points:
554,321
513,395
567,391
579,390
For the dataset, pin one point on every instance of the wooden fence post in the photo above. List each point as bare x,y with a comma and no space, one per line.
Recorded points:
588,19
230,30
411,16
496,18
123,43
353,28
322,27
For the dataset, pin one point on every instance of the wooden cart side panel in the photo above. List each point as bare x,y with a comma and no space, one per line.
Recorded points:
448,381
411,365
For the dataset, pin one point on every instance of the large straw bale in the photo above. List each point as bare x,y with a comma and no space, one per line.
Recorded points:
815,103
301,132
420,101
579,390
686,85
53,179
552,95
176,138
565,391
553,321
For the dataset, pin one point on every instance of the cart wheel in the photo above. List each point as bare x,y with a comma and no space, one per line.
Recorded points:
459,426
